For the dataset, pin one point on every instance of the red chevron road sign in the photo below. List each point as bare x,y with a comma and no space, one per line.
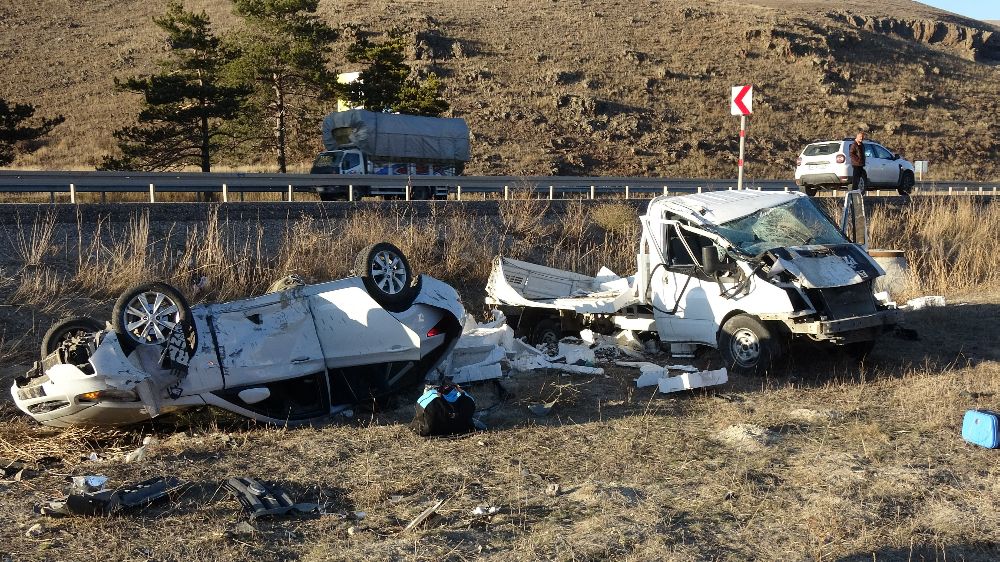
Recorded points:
741,101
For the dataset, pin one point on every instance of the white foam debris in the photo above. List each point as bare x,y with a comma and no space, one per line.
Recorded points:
925,302
577,354
688,381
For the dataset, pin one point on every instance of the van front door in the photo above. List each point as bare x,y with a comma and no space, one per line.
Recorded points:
682,293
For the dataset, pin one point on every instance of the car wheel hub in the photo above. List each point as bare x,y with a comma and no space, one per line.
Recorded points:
388,272
745,347
149,317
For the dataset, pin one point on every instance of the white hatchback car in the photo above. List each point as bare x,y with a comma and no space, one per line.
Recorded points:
827,164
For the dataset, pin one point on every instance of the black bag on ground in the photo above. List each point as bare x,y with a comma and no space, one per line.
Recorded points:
444,410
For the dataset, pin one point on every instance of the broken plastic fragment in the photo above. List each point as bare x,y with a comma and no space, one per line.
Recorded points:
688,381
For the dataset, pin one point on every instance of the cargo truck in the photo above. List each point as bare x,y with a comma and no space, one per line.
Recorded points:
388,144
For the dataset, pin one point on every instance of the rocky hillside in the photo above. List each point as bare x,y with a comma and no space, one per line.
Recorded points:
587,86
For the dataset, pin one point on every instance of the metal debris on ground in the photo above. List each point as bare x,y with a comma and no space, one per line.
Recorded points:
105,502
425,517
264,500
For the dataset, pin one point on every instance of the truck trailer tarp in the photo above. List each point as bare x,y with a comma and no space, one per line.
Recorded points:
398,136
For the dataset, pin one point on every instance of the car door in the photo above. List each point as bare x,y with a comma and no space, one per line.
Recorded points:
268,338
890,167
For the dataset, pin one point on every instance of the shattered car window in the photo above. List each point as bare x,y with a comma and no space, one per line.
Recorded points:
795,223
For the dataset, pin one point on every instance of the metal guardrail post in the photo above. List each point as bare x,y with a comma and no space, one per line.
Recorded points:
506,192
665,190
458,192
225,193
699,189
350,192
290,198
72,193
406,195
552,192
626,192
152,193
949,190
591,192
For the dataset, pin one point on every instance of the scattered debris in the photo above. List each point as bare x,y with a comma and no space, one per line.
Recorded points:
106,502
925,302
140,453
541,409
425,517
553,489
35,531
688,381
87,484
485,510
263,500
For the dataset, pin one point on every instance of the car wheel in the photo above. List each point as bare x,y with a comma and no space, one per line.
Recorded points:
811,190
905,184
387,276
748,346
147,313
547,331
67,328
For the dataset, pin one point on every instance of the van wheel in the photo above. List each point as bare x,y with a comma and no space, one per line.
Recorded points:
387,276
905,184
811,190
748,346
547,331
147,313
66,329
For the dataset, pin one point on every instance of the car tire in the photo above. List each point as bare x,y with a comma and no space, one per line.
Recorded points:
67,328
146,313
547,331
811,190
748,346
387,276
905,183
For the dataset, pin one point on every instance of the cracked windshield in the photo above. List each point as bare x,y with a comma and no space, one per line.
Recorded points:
796,223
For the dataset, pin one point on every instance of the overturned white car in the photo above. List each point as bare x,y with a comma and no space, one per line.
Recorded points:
743,271
288,356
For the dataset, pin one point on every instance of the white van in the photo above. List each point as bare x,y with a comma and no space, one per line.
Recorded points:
742,271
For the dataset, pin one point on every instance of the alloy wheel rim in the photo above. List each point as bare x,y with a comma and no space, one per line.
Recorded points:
388,272
150,317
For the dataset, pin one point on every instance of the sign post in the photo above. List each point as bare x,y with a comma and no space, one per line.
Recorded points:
741,103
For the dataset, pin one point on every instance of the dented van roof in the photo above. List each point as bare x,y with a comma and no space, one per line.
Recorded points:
717,207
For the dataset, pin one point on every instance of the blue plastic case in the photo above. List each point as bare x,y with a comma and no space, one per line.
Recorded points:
980,427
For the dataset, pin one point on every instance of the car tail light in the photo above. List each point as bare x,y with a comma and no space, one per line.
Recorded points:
438,329
798,161
841,159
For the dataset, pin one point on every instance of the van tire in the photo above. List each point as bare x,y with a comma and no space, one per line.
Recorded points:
547,331
748,346
811,190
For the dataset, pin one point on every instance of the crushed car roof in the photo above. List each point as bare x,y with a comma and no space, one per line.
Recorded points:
717,207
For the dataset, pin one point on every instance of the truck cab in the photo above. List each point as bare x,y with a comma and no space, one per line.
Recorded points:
347,161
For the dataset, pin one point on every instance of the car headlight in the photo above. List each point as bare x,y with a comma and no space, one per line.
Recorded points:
110,394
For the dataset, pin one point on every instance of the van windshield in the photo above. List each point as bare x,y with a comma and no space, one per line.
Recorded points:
796,223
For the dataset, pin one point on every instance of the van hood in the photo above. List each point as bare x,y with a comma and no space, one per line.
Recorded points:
821,267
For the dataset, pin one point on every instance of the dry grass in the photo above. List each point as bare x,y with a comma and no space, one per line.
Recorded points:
851,463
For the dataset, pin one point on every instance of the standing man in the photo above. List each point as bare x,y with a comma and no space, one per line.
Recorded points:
858,162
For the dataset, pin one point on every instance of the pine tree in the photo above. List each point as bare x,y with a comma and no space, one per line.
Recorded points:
385,85
283,55
185,106
15,137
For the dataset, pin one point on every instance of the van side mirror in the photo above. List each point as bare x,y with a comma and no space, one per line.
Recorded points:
710,260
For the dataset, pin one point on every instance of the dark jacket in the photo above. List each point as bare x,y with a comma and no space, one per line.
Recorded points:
857,154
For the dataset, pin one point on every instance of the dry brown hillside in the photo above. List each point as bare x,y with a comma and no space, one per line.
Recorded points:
588,86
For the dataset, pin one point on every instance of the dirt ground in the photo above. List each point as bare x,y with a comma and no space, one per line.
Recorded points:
826,461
